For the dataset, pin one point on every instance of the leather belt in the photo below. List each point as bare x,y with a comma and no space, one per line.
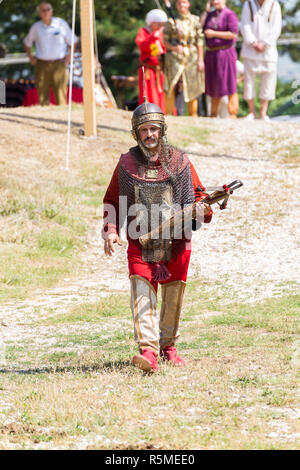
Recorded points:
51,61
220,48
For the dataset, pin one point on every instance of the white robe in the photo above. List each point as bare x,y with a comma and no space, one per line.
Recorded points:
265,28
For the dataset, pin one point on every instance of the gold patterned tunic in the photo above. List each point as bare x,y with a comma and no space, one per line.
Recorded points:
184,65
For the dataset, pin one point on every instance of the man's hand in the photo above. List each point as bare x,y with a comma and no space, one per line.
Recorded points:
67,59
208,7
33,60
259,47
178,49
202,210
209,33
109,243
200,65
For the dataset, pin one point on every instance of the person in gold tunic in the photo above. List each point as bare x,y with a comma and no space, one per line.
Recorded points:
183,39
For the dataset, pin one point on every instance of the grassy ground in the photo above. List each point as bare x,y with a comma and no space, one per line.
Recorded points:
75,387
66,377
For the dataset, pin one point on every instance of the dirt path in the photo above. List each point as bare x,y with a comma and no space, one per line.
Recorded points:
250,251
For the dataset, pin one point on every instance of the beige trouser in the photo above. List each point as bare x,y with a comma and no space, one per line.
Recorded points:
151,330
268,80
170,105
51,74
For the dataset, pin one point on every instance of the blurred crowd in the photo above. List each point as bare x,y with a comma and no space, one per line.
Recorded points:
187,63
185,57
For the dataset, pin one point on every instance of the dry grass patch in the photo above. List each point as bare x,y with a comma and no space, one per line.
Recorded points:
45,211
238,390
287,152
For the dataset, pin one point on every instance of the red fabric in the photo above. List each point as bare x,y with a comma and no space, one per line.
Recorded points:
199,195
177,267
146,361
111,198
151,46
169,354
32,99
129,163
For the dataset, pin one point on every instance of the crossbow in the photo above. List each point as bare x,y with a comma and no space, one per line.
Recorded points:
219,196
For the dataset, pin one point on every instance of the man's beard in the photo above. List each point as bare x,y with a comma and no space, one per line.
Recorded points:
150,147
150,143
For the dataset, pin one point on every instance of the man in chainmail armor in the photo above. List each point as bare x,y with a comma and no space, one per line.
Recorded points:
155,180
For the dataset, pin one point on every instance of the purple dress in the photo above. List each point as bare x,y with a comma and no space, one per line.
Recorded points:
220,65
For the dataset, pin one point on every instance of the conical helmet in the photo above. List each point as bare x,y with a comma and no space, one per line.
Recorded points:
147,112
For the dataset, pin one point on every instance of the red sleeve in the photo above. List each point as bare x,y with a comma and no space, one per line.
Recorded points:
199,192
111,206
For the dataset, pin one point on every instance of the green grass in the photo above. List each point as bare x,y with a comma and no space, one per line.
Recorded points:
23,269
183,136
43,237
277,314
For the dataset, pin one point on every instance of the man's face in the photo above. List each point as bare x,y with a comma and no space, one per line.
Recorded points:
149,135
218,4
45,11
155,25
183,6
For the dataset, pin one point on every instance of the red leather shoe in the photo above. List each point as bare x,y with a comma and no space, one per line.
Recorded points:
169,354
147,361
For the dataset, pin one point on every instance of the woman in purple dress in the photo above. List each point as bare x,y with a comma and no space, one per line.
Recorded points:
221,31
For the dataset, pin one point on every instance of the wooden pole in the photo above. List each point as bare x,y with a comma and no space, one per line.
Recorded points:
88,63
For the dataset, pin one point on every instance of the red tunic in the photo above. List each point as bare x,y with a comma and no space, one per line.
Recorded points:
151,46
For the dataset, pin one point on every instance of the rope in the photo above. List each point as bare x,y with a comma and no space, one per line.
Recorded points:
158,4
70,87
95,34
98,69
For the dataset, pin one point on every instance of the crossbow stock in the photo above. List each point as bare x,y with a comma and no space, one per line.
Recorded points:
219,196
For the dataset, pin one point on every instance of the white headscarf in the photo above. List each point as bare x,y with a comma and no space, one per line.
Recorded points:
156,16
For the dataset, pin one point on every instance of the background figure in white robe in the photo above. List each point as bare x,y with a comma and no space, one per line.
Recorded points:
260,27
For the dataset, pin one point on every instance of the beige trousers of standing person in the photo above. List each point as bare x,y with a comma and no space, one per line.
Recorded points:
152,330
51,74
267,72
170,105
